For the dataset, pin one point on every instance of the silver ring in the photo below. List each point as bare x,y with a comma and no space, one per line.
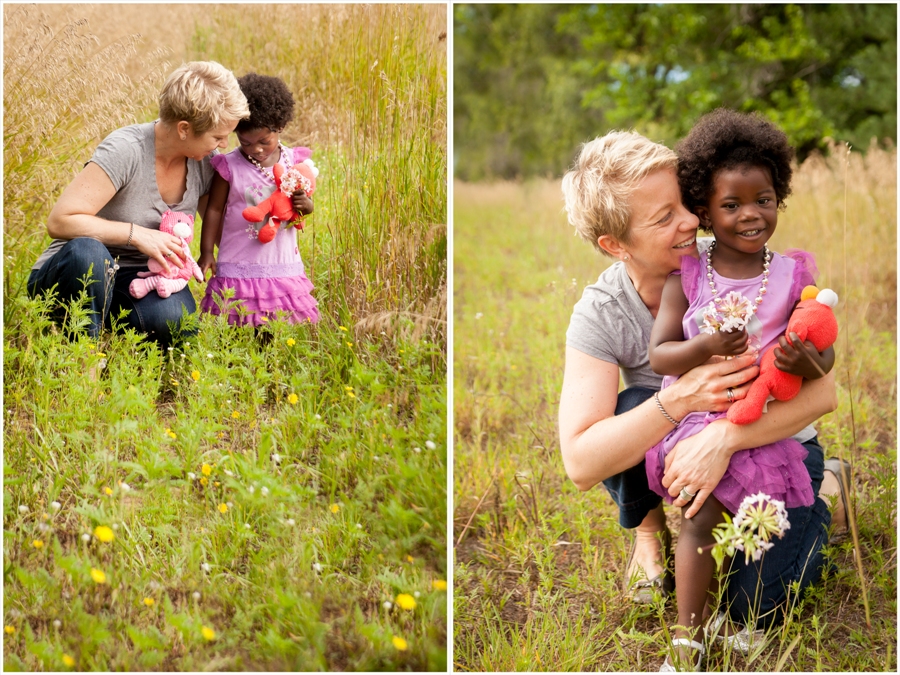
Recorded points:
167,254
685,495
730,394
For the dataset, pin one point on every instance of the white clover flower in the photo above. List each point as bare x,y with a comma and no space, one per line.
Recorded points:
390,405
206,567
57,623
115,526
416,594
276,458
359,526
264,491
290,521
431,445
56,506
228,473
318,416
246,526
478,315
209,356
417,449
85,537
192,475
317,567
171,349
387,605
196,595
23,508
251,489
125,486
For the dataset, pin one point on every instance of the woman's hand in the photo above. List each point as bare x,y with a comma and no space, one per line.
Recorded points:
705,388
302,203
697,464
207,261
162,247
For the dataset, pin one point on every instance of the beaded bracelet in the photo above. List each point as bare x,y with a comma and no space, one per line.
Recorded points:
663,410
130,235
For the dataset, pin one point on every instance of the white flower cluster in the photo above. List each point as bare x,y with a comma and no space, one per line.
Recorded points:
727,314
757,521
293,180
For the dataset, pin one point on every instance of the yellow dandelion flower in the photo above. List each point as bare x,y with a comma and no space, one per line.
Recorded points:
291,342
104,534
171,434
206,469
149,602
101,354
439,585
351,394
342,328
9,629
349,344
406,601
335,508
37,543
195,375
293,398
399,643
235,414
208,633
107,490
68,660
223,508
98,576
409,558
204,481
174,383
400,351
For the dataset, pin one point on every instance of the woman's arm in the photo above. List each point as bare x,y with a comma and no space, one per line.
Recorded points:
699,462
211,232
75,215
597,444
670,353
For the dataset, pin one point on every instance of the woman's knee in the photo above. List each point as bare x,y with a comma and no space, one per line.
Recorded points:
84,254
167,320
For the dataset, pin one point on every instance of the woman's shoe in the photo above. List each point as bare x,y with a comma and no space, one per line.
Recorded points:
642,589
742,641
834,466
669,667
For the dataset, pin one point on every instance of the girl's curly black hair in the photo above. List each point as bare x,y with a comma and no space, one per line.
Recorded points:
726,139
271,102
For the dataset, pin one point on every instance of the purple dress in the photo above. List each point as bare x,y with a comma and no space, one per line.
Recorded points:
776,469
265,277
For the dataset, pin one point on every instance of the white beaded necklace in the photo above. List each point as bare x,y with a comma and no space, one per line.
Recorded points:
265,170
767,258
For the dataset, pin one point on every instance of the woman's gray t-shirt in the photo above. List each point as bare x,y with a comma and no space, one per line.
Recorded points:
128,157
612,323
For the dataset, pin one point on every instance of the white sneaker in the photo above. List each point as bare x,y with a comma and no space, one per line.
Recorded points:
668,667
742,641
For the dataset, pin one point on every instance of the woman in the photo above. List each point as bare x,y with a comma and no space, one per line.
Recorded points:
623,196
105,224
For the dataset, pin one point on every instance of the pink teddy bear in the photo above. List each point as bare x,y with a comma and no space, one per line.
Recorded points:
181,225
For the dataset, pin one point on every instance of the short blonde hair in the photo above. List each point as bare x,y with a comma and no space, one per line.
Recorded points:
606,172
204,94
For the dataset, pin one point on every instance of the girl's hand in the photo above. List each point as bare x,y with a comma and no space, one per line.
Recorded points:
163,248
727,344
705,388
697,464
207,261
798,358
302,203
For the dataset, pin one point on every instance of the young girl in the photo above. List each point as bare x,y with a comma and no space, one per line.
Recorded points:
735,173
266,277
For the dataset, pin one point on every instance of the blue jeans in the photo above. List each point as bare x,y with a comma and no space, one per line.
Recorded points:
758,590
66,270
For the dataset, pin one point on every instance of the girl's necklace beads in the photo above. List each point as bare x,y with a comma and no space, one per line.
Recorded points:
264,170
767,258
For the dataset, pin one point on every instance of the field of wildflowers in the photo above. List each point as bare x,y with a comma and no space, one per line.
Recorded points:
227,504
538,564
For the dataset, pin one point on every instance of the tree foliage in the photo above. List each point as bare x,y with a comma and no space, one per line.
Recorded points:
531,82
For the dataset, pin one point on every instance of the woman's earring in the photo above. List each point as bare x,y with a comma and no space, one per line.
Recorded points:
625,258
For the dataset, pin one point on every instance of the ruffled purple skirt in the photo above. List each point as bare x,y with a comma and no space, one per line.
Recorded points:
260,299
776,469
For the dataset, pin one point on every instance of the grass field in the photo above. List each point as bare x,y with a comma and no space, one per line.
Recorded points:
228,505
538,564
